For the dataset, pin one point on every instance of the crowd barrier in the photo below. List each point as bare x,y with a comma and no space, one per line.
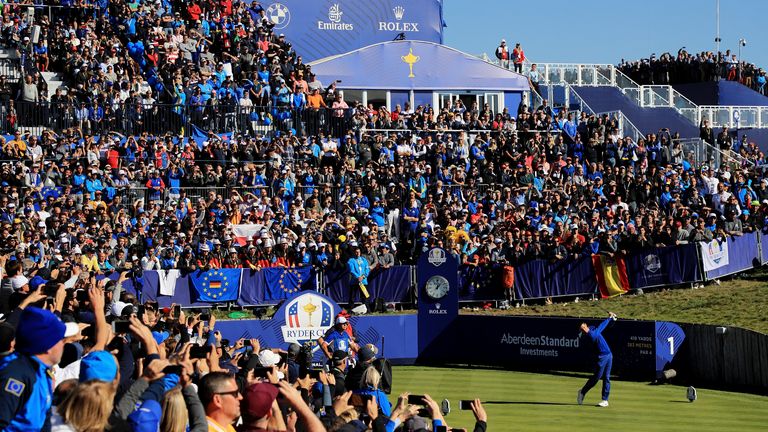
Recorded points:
666,266
738,254
193,121
535,279
542,278
392,285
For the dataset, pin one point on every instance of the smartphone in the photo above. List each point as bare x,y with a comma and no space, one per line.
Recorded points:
441,429
359,401
261,372
199,352
121,326
81,295
205,317
314,373
173,369
247,343
176,311
415,399
465,404
50,288
140,311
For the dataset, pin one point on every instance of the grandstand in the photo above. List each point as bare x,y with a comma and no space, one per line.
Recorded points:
164,163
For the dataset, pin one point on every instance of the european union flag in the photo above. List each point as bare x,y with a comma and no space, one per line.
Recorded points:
282,283
219,285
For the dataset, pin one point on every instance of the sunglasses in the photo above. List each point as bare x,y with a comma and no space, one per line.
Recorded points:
233,393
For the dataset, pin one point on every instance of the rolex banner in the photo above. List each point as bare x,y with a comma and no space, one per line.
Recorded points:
320,29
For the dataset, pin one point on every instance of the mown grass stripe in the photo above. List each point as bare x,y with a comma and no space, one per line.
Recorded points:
539,402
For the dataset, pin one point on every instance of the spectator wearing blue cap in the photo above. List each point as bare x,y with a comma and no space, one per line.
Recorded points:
25,377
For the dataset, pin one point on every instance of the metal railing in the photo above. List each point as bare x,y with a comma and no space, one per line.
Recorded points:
135,119
735,116
138,194
650,96
157,119
11,68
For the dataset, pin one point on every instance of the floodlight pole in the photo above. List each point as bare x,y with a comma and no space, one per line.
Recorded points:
717,22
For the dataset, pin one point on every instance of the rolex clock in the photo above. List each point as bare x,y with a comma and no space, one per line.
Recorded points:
438,299
437,287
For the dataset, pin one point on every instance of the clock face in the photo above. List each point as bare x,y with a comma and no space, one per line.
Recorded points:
437,287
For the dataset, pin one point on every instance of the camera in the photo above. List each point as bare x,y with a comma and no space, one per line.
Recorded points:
743,42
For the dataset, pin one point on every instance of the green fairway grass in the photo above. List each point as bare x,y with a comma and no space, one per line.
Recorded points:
741,303
541,402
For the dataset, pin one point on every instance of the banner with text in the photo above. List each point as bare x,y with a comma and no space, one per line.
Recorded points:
319,29
735,254
547,343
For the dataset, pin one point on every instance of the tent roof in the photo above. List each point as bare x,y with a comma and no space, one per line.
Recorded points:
387,66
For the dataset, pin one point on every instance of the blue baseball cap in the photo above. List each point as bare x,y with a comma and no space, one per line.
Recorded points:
35,283
147,417
98,365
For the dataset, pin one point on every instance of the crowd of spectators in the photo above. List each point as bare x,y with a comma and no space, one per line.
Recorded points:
102,191
76,355
160,66
688,67
494,187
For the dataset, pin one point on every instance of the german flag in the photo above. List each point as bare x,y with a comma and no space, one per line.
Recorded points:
611,275
215,285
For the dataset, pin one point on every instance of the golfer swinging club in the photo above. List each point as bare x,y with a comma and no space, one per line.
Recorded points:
604,361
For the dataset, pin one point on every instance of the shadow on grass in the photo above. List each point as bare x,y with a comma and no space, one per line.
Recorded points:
527,403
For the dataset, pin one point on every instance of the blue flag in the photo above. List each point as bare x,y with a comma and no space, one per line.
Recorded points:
200,135
219,285
282,283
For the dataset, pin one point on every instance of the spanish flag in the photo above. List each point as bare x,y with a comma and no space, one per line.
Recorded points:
611,275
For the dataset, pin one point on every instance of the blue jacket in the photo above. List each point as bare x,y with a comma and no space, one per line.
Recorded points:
27,394
381,399
596,336
359,267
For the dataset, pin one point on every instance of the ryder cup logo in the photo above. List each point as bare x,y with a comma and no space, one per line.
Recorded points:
307,317
436,257
716,251
279,15
652,263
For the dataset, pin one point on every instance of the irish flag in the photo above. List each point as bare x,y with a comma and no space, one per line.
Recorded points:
611,275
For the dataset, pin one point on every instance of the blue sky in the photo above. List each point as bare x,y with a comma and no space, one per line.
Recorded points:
605,31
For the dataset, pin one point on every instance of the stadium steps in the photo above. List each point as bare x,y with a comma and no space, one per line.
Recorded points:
647,120
721,93
733,93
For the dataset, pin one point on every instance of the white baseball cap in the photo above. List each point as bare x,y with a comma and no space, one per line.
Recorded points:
268,358
341,320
